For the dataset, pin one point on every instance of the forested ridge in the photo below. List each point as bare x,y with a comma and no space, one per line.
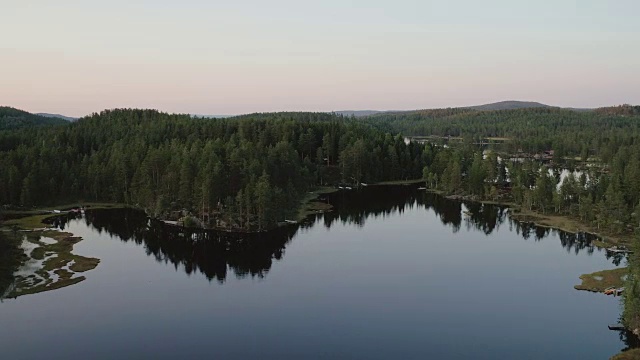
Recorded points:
605,195
11,118
247,172
568,132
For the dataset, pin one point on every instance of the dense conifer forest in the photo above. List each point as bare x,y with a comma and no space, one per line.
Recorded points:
251,172
247,172
604,193
568,132
11,118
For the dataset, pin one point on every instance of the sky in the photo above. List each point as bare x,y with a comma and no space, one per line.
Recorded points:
232,57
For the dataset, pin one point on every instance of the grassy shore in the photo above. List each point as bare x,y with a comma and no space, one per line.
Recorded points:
34,218
553,221
65,264
570,225
595,282
601,280
559,222
632,354
399,182
28,222
57,266
68,206
309,205
57,259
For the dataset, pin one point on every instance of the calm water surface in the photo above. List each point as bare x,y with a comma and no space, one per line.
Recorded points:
393,273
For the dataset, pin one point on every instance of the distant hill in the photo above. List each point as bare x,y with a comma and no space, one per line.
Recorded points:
509,105
358,113
623,110
68,118
12,118
502,105
212,116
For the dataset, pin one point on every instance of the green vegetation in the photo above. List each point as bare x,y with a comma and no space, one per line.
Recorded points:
11,256
250,173
568,132
28,222
57,259
400,182
602,199
243,173
631,314
604,202
11,118
58,263
632,354
309,205
599,281
35,219
510,105
570,224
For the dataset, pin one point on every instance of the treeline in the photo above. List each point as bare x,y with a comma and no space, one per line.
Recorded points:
11,118
606,198
631,313
251,172
247,172
609,200
570,133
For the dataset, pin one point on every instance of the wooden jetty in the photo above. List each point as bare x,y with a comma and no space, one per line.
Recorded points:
616,327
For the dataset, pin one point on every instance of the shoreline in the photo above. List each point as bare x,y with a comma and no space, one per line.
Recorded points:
597,281
33,220
46,262
46,259
556,222
309,205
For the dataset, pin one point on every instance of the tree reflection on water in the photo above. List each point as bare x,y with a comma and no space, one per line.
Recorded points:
215,253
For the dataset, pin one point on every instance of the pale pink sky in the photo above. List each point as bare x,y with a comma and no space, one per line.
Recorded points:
212,57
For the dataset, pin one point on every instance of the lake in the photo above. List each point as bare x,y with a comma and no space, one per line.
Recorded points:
391,273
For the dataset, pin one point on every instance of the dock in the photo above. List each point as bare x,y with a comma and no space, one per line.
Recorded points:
616,327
